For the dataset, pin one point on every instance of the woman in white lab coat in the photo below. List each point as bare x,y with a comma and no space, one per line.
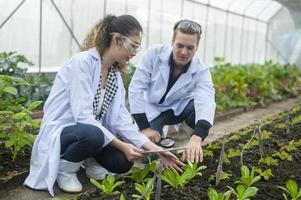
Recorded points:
85,116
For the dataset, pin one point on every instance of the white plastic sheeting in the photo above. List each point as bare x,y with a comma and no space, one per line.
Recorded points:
241,31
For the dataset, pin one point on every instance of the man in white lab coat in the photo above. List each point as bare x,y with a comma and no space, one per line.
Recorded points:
172,85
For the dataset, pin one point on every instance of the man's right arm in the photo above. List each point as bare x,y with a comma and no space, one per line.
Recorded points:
140,83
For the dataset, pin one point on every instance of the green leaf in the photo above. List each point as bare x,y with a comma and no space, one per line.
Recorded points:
19,115
34,105
212,194
250,192
3,112
292,187
10,90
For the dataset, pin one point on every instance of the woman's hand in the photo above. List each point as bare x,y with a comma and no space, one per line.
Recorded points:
131,152
171,161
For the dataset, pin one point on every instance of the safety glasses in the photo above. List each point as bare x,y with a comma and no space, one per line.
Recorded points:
134,47
190,25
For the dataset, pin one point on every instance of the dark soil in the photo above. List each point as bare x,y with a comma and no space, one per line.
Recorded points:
10,168
197,187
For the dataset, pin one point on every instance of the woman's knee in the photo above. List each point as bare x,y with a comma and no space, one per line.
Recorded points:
123,166
94,136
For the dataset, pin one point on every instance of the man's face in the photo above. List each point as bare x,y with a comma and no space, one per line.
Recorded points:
184,47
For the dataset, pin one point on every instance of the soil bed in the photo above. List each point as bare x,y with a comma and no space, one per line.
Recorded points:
197,187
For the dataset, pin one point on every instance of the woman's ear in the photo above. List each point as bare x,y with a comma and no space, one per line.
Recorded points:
117,40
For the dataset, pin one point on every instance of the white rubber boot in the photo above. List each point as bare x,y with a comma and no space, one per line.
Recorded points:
67,178
94,170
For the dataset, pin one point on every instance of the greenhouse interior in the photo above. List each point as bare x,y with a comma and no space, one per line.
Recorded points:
150,99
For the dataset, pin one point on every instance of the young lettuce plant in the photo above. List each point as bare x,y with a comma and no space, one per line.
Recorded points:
243,193
138,175
193,170
224,176
108,185
174,179
145,189
292,189
247,178
269,161
214,195
266,174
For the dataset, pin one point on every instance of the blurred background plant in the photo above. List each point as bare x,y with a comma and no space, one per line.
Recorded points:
39,85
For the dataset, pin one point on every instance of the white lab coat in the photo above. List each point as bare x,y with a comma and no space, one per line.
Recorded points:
150,80
70,102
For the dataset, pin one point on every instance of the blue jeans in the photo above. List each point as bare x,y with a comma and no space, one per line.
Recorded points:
82,141
168,118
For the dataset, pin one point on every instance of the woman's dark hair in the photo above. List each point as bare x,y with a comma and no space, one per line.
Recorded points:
101,34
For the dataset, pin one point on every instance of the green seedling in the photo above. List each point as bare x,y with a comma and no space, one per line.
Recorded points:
244,193
108,185
296,120
280,125
193,170
138,175
214,195
207,152
122,197
292,189
268,161
174,179
213,146
297,143
230,153
233,153
266,174
234,137
264,135
144,188
247,178
291,146
283,155
224,176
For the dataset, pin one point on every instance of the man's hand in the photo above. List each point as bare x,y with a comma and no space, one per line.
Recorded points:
153,135
171,161
194,152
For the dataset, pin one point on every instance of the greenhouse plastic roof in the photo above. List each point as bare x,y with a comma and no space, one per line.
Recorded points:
259,9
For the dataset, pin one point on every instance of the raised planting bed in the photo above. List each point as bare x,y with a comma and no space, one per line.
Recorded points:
281,144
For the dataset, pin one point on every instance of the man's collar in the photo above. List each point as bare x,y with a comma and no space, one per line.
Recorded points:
172,64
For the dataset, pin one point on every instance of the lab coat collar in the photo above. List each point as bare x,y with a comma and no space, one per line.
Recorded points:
93,52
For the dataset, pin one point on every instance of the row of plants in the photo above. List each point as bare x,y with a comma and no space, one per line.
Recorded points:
255,84
260,162
236,85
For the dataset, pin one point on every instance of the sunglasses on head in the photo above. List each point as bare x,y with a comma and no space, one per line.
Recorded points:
190,25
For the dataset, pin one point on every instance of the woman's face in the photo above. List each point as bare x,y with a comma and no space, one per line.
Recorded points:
129,46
